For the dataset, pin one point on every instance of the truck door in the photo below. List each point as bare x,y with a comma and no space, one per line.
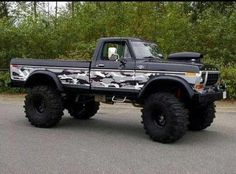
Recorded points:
114,68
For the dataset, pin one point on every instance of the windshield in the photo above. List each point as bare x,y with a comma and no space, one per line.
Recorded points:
145,50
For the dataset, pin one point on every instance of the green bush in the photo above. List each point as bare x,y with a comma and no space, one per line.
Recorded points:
228,76
4,80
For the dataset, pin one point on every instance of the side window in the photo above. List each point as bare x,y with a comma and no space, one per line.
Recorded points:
126,52
115,50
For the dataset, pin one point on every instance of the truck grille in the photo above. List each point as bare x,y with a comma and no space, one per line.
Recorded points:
212,78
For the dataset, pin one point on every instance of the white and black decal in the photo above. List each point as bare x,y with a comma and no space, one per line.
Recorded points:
66,76
112,79
127,79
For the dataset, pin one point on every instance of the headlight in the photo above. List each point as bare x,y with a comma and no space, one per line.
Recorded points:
199,78
199,86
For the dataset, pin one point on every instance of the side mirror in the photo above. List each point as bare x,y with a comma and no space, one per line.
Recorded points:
122,60
115,57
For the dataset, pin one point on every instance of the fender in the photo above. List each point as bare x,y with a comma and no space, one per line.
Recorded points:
179,80
49,74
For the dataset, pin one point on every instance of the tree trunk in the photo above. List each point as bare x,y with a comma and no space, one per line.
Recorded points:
4,9
56,10
73,8
35,9
48,10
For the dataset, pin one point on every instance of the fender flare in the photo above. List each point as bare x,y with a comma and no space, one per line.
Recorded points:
50,74
179,80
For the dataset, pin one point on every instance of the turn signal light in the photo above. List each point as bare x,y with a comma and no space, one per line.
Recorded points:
199,87
190,74
13,65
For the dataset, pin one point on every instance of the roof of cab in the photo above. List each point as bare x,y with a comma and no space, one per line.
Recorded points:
120,38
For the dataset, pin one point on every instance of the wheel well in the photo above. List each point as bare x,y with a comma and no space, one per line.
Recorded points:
40,79
171,86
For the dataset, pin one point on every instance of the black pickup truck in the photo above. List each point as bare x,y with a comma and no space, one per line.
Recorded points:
176,93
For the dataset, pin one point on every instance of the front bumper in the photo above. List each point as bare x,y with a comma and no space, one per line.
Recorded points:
209,97
217,94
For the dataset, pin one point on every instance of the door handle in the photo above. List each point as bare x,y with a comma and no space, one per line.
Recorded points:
100,65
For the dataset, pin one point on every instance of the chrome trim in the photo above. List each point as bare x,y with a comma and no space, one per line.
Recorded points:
214,72
139,71
206,76
114,70
53,67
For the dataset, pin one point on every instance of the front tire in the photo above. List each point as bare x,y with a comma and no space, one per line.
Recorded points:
201,117
43,106
164,118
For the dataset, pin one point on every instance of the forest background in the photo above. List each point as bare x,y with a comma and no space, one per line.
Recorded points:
33,30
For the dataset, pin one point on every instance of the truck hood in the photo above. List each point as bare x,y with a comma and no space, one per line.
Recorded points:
174,65
191,58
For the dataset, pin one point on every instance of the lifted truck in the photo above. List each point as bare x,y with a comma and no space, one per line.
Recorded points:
175,94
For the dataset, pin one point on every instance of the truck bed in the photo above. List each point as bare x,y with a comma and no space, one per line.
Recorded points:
75,73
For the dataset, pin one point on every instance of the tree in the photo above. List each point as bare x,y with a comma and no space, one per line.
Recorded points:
34,8
4,9
56,10
73,8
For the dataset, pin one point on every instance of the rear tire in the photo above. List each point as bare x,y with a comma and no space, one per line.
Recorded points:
201,117
164,118
83,111
43,106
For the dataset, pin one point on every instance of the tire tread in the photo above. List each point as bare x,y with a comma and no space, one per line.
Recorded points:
55,108
179,123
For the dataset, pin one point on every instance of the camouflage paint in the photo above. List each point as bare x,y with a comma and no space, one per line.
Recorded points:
67,76
108,78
